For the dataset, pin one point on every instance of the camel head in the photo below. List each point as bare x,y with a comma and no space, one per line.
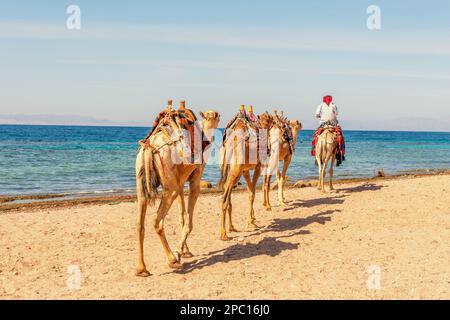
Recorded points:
266,120
210,122
295,125
211,119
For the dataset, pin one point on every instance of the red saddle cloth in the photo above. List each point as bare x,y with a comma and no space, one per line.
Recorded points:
340,140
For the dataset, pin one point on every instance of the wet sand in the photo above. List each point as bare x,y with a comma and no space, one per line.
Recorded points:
52,201
317,247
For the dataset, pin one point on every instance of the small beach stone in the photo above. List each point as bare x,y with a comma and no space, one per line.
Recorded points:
205,185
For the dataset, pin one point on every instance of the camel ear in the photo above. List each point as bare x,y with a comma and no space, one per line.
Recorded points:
202,115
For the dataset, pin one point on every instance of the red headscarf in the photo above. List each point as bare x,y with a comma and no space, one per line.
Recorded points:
327,100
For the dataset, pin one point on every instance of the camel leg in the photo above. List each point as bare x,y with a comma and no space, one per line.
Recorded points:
280,185
280,191
251,188
331,172
324,172
158,223
140,230
281,182
251,198
266,192
231,227
182,218
256,175
226,205
194,192
319,165
181,209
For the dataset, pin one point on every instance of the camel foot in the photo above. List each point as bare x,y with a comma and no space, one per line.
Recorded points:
282,203
142,272
268,208
175,265
187,255
252,226
232,229
224,237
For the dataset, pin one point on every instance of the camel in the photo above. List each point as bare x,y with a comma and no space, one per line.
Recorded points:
278,141
240,155
326,149
156,158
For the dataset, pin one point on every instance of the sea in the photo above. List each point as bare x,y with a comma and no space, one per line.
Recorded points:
77,160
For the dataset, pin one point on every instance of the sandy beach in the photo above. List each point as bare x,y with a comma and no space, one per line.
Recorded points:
317,247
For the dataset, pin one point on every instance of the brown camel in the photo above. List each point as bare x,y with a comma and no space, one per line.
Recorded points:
162,153
240,155
326,149
279,141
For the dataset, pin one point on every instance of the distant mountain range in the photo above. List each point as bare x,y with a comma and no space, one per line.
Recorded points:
399,124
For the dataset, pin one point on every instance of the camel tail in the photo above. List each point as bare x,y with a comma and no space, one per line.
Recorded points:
147,178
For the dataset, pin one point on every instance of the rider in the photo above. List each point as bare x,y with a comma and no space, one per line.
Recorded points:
327,113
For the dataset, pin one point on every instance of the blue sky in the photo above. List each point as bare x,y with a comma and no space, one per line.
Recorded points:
130,57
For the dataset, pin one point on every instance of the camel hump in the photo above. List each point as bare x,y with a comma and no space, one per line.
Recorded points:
331,138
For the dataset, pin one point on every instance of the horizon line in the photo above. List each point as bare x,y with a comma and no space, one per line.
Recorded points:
149,127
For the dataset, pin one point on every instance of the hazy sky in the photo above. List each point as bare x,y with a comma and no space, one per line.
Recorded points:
131,56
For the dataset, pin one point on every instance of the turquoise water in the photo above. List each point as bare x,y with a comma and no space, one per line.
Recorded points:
76,159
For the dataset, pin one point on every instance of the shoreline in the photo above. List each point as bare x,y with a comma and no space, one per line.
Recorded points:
56,201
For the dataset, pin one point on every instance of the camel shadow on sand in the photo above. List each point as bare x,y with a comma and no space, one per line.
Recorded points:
344,192
272,245
290,224
295,224
269,246
362,188
315,202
